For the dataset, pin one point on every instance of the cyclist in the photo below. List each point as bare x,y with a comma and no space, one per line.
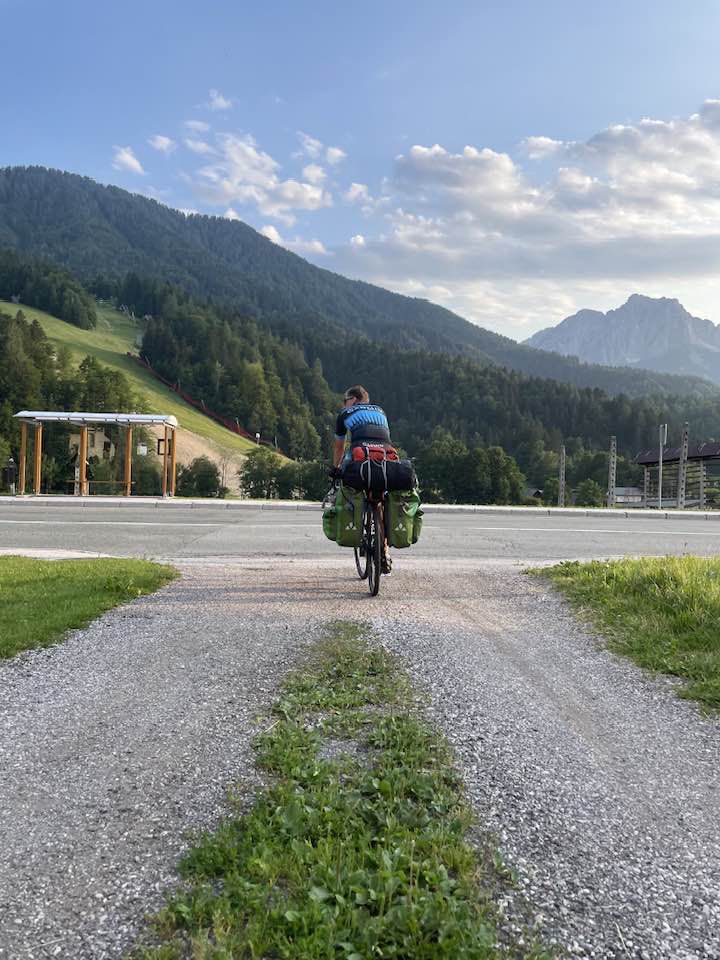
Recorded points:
365,422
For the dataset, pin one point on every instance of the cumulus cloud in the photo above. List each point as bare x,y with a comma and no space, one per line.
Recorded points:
298,245
635,207
242,173
218,102
314,173
197,126
357,193
334,155
124,159
162,144
198,146
358,240
309,146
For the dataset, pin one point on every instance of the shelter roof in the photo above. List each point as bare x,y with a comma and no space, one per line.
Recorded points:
696,451
81,417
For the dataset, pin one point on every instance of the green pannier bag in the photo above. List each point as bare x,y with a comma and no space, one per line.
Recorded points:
330,521
348,517
405,518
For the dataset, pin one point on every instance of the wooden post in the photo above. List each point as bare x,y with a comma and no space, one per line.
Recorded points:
82,456
165,464
23,458
612,472
128,460
646,486
561,478
38,458
173,463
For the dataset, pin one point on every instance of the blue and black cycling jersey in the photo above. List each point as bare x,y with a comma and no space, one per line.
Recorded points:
366,423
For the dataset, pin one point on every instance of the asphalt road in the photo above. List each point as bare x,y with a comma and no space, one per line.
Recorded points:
179,532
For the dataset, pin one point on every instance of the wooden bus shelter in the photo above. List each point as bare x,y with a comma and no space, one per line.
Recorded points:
36,419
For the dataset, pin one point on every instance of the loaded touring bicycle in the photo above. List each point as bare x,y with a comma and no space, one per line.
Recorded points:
375,502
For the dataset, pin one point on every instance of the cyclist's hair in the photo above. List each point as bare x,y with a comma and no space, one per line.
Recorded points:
358,393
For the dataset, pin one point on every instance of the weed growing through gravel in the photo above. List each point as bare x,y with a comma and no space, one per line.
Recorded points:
43,599
359,856
662,612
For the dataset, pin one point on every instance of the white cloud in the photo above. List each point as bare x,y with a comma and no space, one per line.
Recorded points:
231,214
242,173
218,102
634,208
162,144
357,193
125,159
358,240
198,146
197,126
538,148
314,173
298,245
187,211
334,155
309,146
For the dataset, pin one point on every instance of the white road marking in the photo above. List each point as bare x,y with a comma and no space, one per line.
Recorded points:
650,530
147,523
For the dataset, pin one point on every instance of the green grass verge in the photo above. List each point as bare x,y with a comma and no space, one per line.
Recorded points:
357,849
43,599
109,342
664,613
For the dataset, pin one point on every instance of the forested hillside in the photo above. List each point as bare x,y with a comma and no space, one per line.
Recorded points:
42,285
104,232
242,370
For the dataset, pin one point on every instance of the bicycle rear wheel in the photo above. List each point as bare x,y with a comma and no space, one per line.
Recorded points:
375,544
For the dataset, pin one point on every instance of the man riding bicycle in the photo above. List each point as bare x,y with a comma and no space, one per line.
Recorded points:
365,423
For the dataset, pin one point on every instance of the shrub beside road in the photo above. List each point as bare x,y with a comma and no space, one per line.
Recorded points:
43,599
357,848
664,613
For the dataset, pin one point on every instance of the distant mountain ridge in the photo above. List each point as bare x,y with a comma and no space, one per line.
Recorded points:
656,334
94,230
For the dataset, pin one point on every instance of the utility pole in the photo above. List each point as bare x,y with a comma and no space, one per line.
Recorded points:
646,486
682,467
612,472
702,484
561,478
662,439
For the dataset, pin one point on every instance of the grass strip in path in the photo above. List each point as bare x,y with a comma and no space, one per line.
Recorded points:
664,613
42,599
356,850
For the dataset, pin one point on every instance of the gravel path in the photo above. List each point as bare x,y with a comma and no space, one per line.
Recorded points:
116,744
601,786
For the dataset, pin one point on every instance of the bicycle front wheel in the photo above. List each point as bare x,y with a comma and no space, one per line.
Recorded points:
362,562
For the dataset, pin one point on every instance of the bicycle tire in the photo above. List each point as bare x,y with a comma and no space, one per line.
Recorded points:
361,560
375,551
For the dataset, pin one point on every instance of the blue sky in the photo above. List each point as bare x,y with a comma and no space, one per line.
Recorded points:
501,152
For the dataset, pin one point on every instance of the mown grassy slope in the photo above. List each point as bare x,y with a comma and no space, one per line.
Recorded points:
113,337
